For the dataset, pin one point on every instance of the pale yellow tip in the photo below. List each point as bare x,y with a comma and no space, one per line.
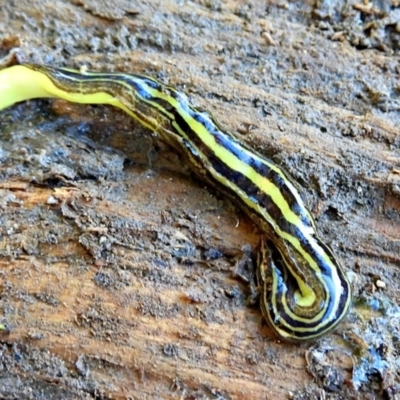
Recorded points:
19,83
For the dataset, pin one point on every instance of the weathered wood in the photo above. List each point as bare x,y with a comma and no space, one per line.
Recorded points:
122,276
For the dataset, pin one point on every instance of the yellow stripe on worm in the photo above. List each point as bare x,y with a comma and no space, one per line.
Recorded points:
304,290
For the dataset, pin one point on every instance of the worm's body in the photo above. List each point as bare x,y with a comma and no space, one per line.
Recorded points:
304,291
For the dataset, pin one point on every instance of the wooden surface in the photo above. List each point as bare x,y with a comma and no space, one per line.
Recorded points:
123,276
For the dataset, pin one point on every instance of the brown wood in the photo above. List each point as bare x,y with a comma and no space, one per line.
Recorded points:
122,275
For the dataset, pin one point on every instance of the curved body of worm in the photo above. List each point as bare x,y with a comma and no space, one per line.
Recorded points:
304,290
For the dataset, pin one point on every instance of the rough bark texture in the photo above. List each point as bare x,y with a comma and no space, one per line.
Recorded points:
122,276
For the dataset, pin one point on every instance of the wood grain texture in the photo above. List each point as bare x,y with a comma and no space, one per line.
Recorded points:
122,276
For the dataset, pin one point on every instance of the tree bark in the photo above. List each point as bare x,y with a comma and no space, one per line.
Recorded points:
124,276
